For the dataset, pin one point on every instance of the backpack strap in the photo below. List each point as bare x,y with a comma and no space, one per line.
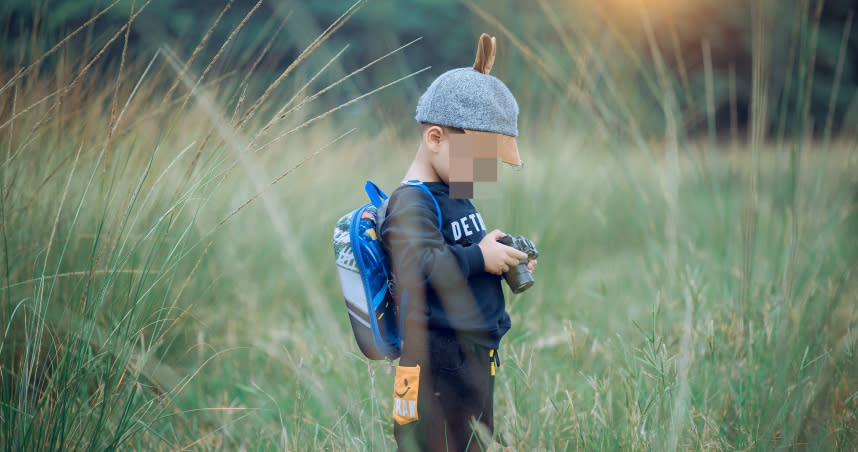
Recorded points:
417,183
376,196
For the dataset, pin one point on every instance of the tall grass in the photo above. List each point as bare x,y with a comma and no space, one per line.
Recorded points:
167,280
115,180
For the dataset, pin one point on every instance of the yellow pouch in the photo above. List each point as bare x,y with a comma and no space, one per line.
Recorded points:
405,386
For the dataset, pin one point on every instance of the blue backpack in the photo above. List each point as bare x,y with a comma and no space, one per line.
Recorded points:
365,275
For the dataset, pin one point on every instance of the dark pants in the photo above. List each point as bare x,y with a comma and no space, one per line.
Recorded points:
456,388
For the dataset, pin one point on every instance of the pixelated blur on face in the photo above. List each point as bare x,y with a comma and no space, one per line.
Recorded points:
473,165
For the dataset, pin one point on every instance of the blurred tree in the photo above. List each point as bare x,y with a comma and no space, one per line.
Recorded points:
558,56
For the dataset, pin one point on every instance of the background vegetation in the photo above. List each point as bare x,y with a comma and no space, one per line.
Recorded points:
550,50
170,174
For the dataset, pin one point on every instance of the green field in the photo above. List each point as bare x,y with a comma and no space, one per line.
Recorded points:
691,294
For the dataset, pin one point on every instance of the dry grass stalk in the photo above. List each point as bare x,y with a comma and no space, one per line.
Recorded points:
61,92
301,57
196,51
220,51
56,47
339,107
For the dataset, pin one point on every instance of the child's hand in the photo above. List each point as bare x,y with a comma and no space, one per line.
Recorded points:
531,264
498,257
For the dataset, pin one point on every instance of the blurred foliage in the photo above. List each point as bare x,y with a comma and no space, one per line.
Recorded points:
558,57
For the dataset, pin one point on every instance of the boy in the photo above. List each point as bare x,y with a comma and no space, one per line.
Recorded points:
448,276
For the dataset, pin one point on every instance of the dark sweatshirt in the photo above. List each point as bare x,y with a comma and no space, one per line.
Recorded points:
443,271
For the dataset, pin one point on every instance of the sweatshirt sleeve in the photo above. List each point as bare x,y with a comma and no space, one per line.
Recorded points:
418,251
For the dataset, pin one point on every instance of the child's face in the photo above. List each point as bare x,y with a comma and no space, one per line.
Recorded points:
467,162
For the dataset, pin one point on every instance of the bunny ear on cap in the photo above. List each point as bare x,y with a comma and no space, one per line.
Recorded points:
506,145
486,50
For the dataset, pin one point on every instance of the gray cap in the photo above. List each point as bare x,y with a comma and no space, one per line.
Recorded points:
467,99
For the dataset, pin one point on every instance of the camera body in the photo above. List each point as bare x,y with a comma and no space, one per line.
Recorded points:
518,277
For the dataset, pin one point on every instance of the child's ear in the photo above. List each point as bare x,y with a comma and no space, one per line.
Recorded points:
433,135
486,49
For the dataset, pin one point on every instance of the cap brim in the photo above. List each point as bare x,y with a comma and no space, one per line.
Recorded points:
507,146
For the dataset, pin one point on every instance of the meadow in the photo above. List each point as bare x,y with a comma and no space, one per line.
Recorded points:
168,280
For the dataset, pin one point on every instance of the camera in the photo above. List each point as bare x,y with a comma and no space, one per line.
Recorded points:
519,278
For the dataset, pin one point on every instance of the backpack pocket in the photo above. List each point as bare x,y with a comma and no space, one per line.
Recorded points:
405,388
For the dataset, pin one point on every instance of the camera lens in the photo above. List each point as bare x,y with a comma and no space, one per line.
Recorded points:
518,278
